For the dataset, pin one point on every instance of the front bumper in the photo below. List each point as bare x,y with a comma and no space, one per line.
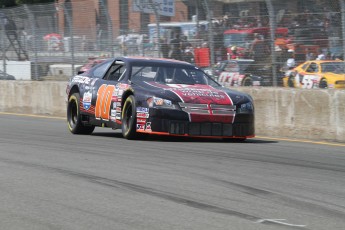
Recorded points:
175,122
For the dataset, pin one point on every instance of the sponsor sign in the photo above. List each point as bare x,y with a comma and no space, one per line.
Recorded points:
162,7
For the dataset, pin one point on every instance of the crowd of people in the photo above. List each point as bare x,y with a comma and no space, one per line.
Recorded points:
176,47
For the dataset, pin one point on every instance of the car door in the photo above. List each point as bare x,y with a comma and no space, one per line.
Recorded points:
107,93
310,76
230,75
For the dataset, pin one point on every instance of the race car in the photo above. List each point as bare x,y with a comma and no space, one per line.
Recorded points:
316,74
92,61
241,72
232,72
141,95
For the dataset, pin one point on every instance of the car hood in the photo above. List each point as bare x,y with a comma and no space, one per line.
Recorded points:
196,94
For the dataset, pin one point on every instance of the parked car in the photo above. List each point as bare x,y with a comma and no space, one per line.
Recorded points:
156,96
317,74
6,76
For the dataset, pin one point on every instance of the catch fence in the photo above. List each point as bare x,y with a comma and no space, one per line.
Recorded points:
265,32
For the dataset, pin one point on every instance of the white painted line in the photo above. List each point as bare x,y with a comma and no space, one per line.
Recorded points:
280,221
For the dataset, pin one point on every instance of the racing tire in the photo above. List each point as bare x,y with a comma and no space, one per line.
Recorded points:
323,83
247,81
290,82
74,121
129,119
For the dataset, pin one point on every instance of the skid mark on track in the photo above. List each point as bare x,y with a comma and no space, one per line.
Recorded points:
286,200
160,194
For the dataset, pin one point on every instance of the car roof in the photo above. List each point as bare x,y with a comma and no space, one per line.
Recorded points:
322,61
141,59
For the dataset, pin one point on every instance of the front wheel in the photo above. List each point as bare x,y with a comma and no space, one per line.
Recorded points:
74,122
129,117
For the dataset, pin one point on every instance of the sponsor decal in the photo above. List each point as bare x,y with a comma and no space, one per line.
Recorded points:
142,115
81,79
148,127
140,126
113,113
104,101
141,120
87,100
142,110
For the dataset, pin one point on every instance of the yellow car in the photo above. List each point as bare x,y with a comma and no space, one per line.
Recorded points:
317,74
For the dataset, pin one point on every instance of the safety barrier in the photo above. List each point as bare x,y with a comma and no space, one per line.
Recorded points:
284,112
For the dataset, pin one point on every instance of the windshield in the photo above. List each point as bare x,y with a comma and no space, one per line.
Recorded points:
333,67
168,74
236,39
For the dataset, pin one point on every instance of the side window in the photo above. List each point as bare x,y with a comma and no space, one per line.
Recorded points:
232,67
304,67
101,70
115,72
313,68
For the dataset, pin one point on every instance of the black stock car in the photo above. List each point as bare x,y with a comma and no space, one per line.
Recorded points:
156,96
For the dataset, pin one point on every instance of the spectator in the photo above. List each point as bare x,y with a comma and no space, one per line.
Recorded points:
234,54
123,43
164,47
176,48
290,62
185,43
258,48
321,57
309,55
202,33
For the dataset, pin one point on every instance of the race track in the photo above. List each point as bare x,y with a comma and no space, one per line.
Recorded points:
51,179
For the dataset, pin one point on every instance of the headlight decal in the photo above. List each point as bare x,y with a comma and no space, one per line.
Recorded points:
246,108
160,102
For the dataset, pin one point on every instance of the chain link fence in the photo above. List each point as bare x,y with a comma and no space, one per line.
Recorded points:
250,37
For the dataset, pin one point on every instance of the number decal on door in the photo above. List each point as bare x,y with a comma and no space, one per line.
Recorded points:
307,81
103,103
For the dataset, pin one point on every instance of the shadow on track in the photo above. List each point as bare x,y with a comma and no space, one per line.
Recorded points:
159,138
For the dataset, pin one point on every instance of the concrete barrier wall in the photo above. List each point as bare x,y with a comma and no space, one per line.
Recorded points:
284,112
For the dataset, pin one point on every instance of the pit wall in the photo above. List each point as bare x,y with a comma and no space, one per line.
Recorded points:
279,112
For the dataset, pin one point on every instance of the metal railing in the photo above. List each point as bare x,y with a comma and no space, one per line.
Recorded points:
264,31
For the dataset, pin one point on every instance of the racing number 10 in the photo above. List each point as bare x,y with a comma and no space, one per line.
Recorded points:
103,103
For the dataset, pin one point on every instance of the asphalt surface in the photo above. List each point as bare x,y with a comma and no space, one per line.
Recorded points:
51,179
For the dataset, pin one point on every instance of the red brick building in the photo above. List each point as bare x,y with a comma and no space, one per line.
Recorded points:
88,17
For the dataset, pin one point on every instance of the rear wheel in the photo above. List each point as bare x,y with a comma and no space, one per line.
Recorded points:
290,82
74,122
247,81
129,117
323,84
